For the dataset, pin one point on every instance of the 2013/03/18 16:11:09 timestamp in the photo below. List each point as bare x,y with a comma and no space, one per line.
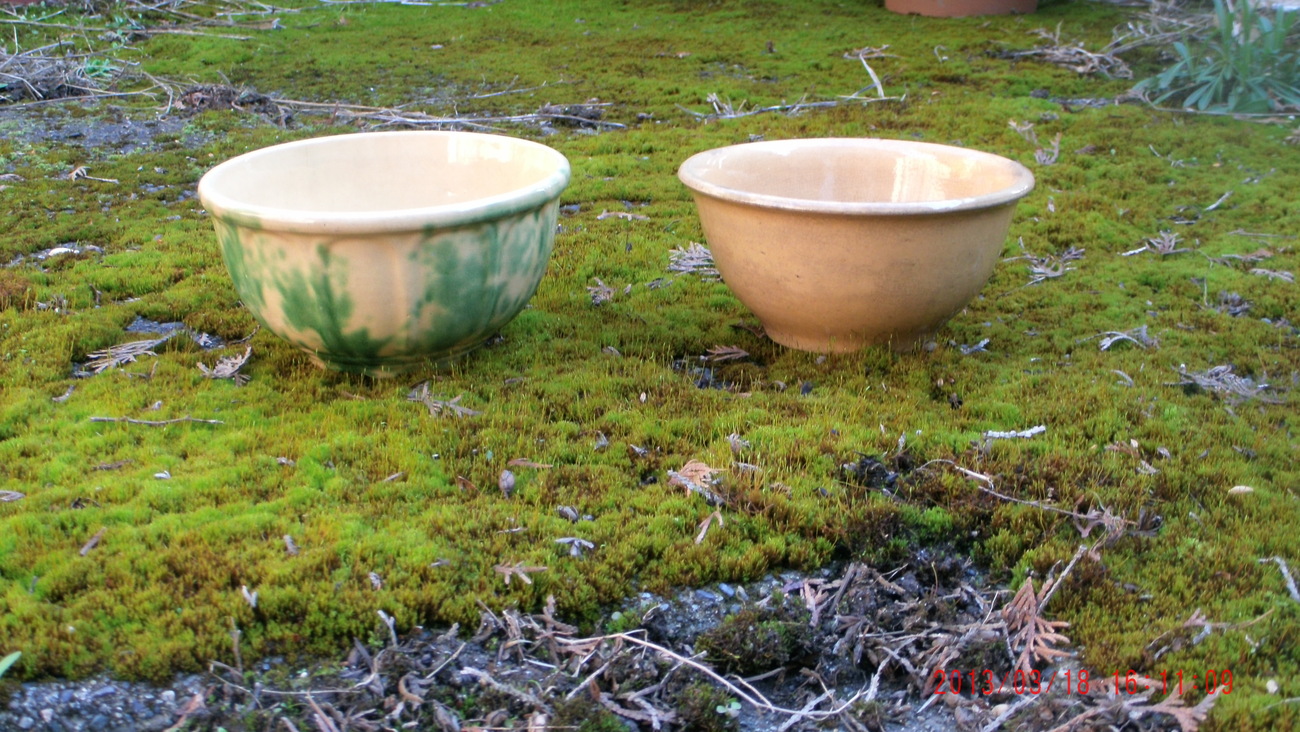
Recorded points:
1079,681
1210,681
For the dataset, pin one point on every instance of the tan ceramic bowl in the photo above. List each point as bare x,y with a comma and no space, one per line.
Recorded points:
839,243
380,252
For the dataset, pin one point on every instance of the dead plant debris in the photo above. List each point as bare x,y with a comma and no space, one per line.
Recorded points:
228,368
1223,380
695,258
440,407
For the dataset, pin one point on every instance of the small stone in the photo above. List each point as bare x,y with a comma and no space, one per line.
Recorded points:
169,697
26,723
98,722
709,596
1272,686
159,723
727,590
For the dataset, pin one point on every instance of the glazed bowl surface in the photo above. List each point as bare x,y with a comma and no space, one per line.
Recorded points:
381,252
838,243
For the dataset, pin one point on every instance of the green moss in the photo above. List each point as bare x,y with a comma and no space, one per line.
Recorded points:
754,641
707,708
304,453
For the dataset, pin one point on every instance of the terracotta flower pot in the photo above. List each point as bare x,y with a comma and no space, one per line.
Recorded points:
839,243
380,252
960,8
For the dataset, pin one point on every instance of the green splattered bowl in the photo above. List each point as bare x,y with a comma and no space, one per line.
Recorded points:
381,252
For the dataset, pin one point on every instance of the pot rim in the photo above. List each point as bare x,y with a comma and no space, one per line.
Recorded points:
244,213
1023,179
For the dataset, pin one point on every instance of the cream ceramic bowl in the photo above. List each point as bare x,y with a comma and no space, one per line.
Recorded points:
380,252
840,243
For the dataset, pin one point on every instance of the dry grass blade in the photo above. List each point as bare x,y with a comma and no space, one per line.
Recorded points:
94,542
694,259
440,407
124,353
228,368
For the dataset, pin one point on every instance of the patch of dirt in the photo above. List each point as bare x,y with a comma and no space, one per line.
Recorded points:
851,647
96,127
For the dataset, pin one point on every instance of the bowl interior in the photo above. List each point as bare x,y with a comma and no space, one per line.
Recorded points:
421,174
856,175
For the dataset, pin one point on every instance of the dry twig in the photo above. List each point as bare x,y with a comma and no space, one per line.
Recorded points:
157,422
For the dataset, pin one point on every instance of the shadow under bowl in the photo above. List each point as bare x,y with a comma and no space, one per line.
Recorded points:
382,252
839,243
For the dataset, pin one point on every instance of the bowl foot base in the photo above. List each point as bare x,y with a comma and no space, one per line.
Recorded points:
388,368
845,343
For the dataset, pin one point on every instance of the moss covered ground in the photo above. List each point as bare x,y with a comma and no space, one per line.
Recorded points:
396,509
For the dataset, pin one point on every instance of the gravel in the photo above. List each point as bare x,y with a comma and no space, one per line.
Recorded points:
97,704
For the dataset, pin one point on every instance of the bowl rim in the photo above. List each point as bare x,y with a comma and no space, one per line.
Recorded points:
1022,184
225,206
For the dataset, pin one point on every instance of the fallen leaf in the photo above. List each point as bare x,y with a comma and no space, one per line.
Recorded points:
697,471
1239,489
576,546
